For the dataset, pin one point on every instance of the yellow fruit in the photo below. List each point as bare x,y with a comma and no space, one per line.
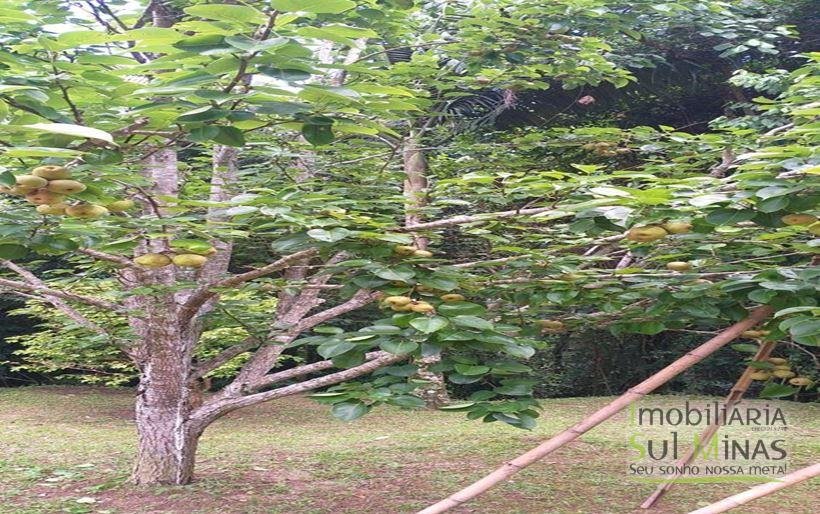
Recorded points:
777,360
209,251
54,209
815,229
783,366
66,187
189,260
152,260
21,190
452,297
551,326
43,197
798,219
86,211
120,205
51,172
402,308
422,307
754,334
398,300
678,266
677,227
422,253
646,234
31,181
404,250
783,373
801,381
761,375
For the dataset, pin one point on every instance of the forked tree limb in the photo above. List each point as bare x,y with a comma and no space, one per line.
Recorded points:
734,397
206,292
305,369
760,491
211,411
658,379
103,256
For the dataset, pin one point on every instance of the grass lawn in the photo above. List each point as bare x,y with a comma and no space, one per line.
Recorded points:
69,450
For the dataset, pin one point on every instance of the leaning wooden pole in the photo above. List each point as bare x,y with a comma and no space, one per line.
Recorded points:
760,491
658,379
734,397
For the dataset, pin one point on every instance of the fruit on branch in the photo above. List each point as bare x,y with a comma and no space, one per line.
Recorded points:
404,250
152,260
754,334
761,375
66,187
43,197
678,266
677,227
777,360
422,307
402,308
86,211
53,209
422,253
51,172
552,326
120,205
397,301
18,190
32,181
783,366
783,373
646,234
801,381
798,219
189,260
452,297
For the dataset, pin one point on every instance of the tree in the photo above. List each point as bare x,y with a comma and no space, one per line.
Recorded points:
255,176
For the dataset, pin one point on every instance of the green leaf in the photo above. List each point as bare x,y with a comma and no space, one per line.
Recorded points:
317,134
461,308
746,347
469,370
69,129
230,136
472,322
407,402
348,411
7,179
729,216
775,390
428,325
314,6
328,236
402,274
228,12
207,113
399,347
12,251
457,406
332,349
286,74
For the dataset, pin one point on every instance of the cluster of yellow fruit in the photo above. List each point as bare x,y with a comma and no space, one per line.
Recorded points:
552,326
408,304
190,259
650,233
407,251
606,149
48,186
781,369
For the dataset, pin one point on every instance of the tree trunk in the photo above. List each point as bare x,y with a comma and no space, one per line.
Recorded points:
165,399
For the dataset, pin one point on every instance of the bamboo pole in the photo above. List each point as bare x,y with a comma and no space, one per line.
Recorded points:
760,491
732,399
658,379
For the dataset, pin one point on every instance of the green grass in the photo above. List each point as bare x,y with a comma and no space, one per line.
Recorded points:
61,445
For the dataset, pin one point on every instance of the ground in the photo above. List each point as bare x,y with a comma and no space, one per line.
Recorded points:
69,450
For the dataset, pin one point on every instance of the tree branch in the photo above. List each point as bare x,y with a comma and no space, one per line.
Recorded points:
306,369
475,218
103,256
47,291
222,406
69,311
205,292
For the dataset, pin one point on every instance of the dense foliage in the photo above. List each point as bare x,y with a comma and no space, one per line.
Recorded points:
103,99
